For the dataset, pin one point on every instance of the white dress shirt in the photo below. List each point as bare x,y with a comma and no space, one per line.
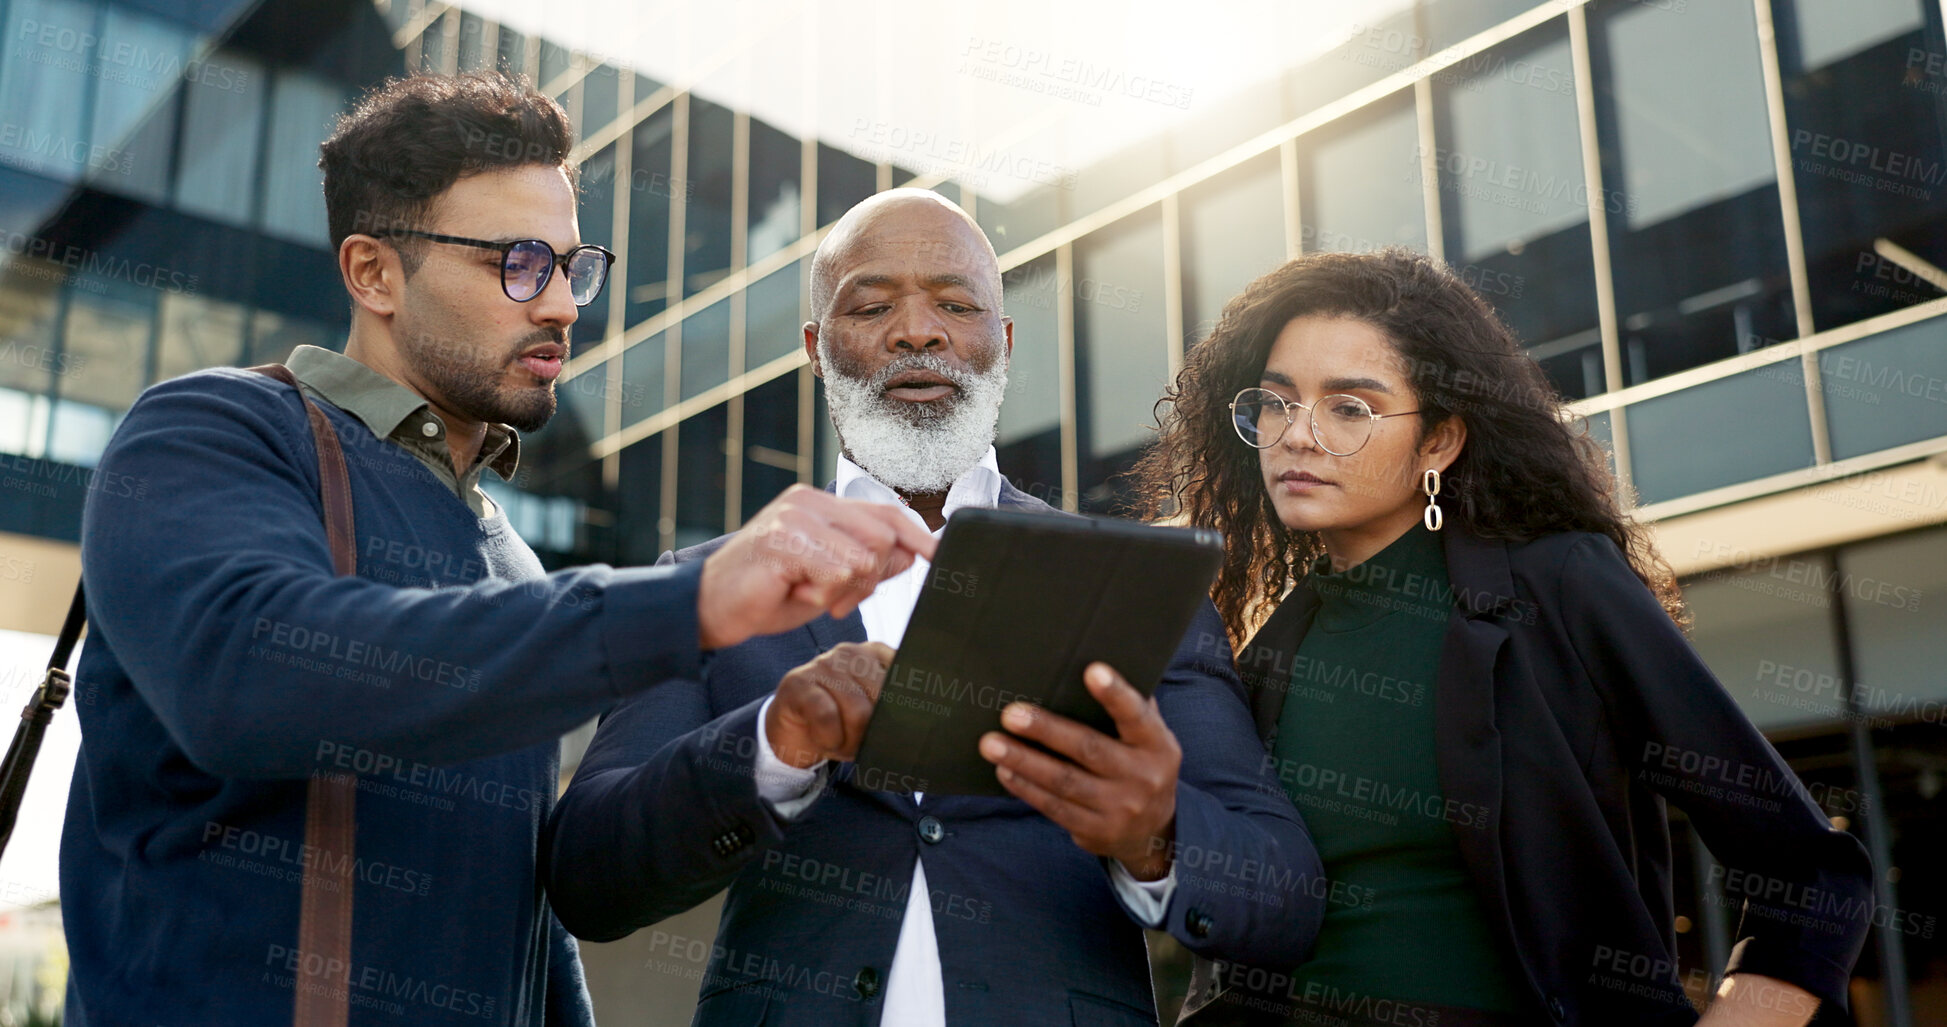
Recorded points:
915,992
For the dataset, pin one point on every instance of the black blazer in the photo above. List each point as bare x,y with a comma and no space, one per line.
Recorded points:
663,813
1570,707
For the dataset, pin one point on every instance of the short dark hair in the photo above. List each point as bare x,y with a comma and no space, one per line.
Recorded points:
410,139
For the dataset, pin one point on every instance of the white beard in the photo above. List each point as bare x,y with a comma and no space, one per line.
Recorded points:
915,447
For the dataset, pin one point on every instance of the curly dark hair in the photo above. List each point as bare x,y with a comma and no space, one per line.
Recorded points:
409,139
1525,471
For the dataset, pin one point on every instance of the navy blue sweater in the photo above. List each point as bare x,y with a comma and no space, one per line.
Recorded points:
225,664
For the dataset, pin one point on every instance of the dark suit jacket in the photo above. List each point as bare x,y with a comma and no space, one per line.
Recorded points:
1569,708
663,813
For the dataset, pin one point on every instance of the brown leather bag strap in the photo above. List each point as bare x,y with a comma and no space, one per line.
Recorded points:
324,929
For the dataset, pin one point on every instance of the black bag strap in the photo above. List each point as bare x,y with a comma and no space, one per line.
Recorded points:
38,713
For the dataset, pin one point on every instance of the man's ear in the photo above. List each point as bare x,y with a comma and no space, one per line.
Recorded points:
1007,333
811,348
372,273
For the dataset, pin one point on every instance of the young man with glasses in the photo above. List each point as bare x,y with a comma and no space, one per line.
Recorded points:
229,665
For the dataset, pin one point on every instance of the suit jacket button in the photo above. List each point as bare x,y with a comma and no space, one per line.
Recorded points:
866,983
931,830
1197,922
1556,1009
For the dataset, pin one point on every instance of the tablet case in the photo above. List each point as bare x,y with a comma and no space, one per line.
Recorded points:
1015,605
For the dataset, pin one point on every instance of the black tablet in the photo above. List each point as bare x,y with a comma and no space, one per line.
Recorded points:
1015,605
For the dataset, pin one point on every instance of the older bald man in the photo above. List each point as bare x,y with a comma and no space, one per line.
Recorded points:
854,906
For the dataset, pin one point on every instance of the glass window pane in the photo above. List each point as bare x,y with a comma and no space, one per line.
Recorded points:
1217,127
1899,641
638,503
107,342
197,332
595,212
650,194
1105,181
473,50
1832,30
774,181
706,233
555,60
23,422
1028,442
30,298
701,477
1598,427
1021,219
44,86
1451,21
1866,102
303,109
1033,404
80,432
1687,152
770,441
774,316
601,98
273,336
645,369
1768,636
510,51
580,407
218,156
843,180
1886,390
706,348
1514,201
1360,181
1757,423
432,46
1232,232
1377,48
141,62
1120,354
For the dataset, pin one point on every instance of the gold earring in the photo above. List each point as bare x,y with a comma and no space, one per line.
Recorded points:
1430,484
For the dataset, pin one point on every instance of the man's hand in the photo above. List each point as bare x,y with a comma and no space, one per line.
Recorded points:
806,553
1753,1000
1118,797
822,708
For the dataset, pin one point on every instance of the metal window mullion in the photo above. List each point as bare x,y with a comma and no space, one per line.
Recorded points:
618,298
733,480
449,34
1173,282
490,44
1436,241
807,382
1801,282
1889,944
1065,373
1607,324
1294,211
679,169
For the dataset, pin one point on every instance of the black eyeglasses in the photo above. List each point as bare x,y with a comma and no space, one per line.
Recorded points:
527,264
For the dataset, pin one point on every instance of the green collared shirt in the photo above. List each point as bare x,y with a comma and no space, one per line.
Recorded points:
395,412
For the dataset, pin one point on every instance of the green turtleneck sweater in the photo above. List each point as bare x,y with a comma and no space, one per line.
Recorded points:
1355,752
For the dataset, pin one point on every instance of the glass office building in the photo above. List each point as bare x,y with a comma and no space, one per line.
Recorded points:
1719,226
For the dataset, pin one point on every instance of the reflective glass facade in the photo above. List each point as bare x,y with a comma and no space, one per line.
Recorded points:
1719,227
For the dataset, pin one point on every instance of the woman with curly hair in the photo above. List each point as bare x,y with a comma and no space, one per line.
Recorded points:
1472,678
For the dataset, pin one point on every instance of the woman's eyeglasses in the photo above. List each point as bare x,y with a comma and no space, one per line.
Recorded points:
527,264
1341,424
